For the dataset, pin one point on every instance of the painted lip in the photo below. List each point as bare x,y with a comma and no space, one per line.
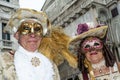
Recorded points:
93,53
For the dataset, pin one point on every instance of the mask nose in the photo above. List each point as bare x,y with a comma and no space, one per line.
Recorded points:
92,48
32,30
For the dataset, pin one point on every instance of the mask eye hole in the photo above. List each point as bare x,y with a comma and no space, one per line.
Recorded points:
37,29
26,28
96,44
87,46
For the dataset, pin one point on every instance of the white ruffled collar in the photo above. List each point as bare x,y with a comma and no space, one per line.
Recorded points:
23,57
22,50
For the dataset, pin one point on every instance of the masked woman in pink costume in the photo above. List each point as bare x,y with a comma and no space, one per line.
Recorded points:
95,59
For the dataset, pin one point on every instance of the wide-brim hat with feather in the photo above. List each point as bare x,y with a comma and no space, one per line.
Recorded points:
86,30
23,14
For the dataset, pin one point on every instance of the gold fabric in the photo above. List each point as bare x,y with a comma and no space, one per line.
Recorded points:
55,47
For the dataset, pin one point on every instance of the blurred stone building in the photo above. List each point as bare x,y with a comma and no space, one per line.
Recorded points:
69,13
7,8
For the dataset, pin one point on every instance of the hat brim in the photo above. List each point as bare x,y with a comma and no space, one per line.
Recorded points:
98,32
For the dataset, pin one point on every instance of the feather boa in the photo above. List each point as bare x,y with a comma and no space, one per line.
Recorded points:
55,47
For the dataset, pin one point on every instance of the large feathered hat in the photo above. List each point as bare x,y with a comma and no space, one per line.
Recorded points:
23,14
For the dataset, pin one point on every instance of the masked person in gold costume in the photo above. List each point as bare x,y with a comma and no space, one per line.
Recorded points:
32,60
